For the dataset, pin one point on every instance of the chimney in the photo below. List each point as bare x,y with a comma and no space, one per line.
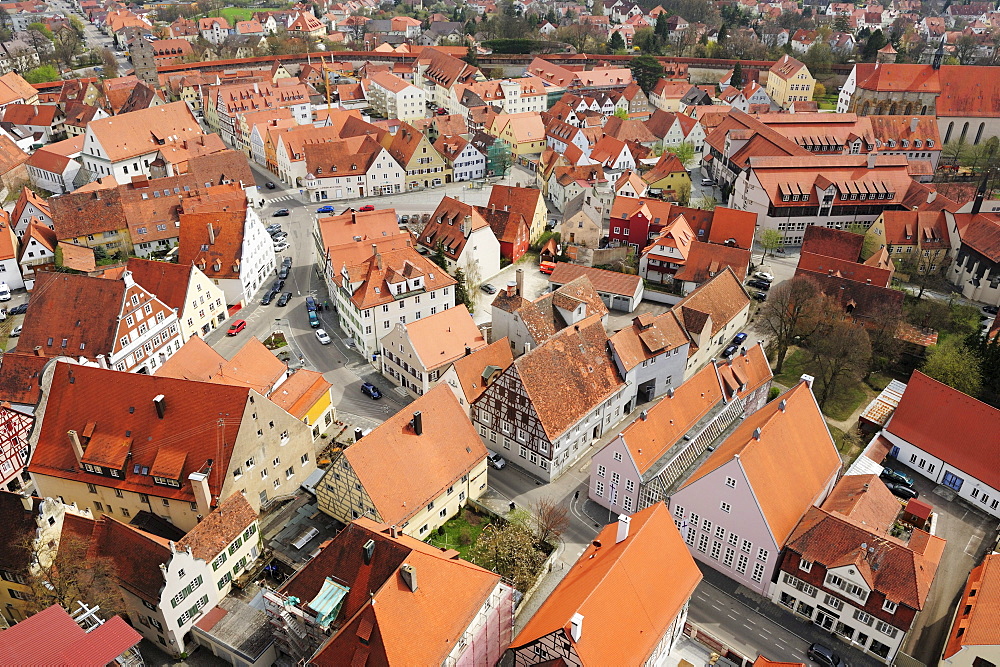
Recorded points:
468,350
643,415
576,626
623,523
756,434
409,574
27,502
511,288
782,405
913,124
38,351
393,532
808,379
358,433
202,494
467,226
931,196
519,278
159,401
871,160
74,441
367,550
211,234
418,423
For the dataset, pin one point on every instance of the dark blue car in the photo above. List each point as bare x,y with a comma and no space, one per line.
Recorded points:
325,209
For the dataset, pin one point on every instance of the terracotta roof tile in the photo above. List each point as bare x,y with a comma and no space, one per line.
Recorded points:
628,592
822,266
216,531
402,471
219,259
450,226
472,369
981,625
610,282
252,366
21,377
300,392
647,338
86,212
793,435
137,556
722,298
168,281
142,131
444,337
706,260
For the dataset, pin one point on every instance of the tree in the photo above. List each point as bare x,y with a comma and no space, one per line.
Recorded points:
684,152
770,240
439,257
840,24
616,43
707,203
508,550
646,70
683,193
818,58
965,49
955,151
620,112
67,44
874,42
841,353
41,28
550,519
471,56
819,91
109,63
646,41
69,575
462,291
737,80
955,365
792,309
39,43
882,330
42,74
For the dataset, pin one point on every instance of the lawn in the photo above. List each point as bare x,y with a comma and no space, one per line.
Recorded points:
460,532
848,446
234,14
841,405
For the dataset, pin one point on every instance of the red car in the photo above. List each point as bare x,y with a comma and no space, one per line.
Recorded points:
236,327
367,207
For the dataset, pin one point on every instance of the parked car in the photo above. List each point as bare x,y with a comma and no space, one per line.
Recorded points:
441,112
759,284
286,262
268,298
311,305
707,182
283,272
322,337
274,228
16,332
19,310
825,656
489,289
403,219
367,207
280,213
269,185
992,310
284,299
277,285
236,327
896,477
280,247
739,338
279,235
4,292
759,296
729,351
764,275
370,390
325,209
313,320
547,267
495,460
901,490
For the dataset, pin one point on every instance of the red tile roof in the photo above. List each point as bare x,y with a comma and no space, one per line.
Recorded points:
821,265
217,531
168,281
450,226
951,426
706,260
51,637
629,592
610,282
834,243
647,337
21,377
980,625
792,435
722,298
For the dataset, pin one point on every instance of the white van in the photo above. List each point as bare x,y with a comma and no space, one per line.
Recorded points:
4,292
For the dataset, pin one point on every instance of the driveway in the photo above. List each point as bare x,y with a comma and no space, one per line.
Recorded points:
970,534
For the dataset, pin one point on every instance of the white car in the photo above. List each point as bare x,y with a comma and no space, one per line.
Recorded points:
16,332
280,247
322,337
4,292
764,275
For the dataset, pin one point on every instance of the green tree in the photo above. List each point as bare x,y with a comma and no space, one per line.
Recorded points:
109,63
646,70
874,42
955,365
510,552
471,56
616,43
956,151
770,240
646,41
462,292
620,113
683,193
439,257
684,152
840,24
737,80
42,74
42,28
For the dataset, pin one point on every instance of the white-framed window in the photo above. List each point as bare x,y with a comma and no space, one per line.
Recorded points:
734,539
762,554
678,511
601,470
805,565
703,543
725,507
833,602
886,629
889,606
741,566
758,572
730,482
730,554
863,617
716,550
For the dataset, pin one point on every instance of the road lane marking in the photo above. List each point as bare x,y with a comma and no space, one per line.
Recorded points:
977,539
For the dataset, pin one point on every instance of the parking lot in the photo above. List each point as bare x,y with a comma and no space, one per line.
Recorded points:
970,534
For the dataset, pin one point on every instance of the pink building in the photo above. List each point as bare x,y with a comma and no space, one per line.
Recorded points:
740,506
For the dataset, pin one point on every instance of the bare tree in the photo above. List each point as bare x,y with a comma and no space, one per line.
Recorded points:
793,308
110,63
67,42
550,519
69,575
841,353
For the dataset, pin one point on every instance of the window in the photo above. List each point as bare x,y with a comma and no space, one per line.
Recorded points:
730,482
833,602
805,565
863,617
600,489
730,554
762,554
725,507
716,550
889,606
741,567
678,511
747,546
758,572
600,471
720,532
706,525
886,629
734,539
703,543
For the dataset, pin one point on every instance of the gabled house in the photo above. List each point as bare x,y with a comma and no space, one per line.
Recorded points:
712,315
471,374
618,291
846,569
437,464
371,581
466,239
415,153
350,168
651,354
466,161
548,431
597,616
973,638
416,355
526,201
65,639
37,247
198,302
735,511
639,467
582,222
30,207
165,465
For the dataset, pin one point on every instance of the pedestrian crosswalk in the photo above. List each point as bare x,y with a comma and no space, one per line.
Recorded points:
277,199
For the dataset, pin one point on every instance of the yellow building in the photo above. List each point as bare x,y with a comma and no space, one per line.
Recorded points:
415,471
915,240
789,81
306,396
416,154
523,132
669,177
529,202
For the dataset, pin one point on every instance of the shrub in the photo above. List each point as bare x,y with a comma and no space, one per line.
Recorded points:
773,393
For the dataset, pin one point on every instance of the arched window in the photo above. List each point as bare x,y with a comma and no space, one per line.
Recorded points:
892,109
923,110
979,134
947,135
965,130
